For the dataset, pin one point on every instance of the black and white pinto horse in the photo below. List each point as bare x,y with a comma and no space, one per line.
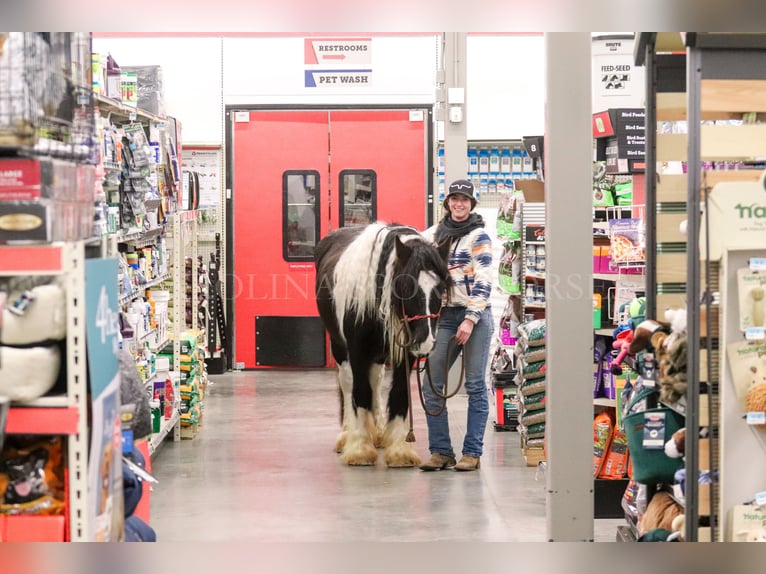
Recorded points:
379,293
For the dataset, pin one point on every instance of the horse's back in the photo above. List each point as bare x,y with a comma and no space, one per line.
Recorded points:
335,243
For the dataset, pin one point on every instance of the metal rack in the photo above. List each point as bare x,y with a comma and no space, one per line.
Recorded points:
60,415
46,100
700,77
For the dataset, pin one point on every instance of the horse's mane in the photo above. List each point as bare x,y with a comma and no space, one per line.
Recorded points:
365,272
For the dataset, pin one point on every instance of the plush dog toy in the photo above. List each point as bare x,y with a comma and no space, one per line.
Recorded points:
672,358
621,342
676,445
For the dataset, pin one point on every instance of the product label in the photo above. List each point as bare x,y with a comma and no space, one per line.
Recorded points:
756,418
654,431
19,179
755,334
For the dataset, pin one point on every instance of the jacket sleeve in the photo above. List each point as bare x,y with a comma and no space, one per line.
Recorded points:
481,254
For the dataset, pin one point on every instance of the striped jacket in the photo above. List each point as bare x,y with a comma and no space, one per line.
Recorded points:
470,266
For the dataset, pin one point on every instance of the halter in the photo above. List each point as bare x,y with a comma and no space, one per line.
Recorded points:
403,336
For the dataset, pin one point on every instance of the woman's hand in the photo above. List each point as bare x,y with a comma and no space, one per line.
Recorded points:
464,331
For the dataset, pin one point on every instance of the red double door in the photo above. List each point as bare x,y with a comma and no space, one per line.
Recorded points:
296,175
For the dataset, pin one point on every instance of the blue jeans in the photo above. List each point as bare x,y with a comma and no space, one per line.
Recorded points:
476,355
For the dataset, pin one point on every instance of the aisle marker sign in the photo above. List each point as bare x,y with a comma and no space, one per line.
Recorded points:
345,51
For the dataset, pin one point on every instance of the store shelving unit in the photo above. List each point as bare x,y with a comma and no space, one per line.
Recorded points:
65,415
533,222
696,78
175,220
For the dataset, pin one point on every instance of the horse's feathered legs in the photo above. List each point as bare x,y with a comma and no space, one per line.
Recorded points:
399,452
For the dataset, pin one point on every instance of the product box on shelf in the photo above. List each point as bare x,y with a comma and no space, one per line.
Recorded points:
45,200
605,260
150,88
129,88
620,139
26,179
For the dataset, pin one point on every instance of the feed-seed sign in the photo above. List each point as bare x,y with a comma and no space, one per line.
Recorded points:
617,83
338,62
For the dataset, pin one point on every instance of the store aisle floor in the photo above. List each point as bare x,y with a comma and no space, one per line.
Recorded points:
263,469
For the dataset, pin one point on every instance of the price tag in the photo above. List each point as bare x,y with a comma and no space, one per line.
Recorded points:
756,418
648,373
654,431
757,264
755,334
760,498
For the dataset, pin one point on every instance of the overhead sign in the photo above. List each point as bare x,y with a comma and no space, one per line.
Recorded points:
337,78
346,51
617,83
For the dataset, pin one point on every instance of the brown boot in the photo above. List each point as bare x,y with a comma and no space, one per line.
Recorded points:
438,462
468,463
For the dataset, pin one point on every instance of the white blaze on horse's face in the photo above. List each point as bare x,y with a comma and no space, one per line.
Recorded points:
424,330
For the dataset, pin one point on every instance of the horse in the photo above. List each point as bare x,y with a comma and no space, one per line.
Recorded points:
379,288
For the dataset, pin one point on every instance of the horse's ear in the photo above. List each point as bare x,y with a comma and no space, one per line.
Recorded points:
443,249
403,251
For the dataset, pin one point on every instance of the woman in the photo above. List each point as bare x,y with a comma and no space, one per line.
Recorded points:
467,318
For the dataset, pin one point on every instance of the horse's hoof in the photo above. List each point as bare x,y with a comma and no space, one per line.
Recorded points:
360,457
403,461
407,465
360,463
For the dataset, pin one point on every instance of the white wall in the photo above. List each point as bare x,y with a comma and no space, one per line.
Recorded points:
505,82
191,69
505,86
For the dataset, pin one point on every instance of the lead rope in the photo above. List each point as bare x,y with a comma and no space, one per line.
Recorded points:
438,393
402,338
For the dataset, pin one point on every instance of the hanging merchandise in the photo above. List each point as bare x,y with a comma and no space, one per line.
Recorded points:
189,190
516,163
505,162
747,523
603,192
527,166
505,215
483,162
494,161
510,268
216,364
648,428
750,287
747,363
473,163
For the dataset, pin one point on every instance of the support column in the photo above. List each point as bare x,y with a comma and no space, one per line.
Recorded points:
569,287
455,97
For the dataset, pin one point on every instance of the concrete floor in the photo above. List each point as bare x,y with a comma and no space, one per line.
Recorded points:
263,469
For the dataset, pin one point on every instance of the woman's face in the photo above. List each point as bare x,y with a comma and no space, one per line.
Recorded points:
459,206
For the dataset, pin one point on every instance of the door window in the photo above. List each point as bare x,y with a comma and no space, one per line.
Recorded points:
300,232
359,197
